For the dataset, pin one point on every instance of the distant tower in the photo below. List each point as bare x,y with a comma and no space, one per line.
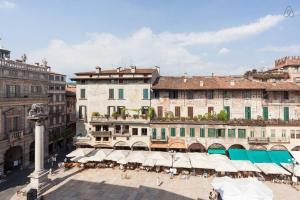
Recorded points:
4,53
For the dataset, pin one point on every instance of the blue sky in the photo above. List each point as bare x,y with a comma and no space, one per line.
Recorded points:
194,37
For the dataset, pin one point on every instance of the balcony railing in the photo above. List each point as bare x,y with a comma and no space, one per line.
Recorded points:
101,133
15,135
121,134
280,140
258,140
79,139
23,66
119,118
158,138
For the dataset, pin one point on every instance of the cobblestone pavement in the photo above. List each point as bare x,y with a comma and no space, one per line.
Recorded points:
135,185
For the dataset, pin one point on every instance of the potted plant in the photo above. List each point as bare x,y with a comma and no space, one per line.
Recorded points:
115,115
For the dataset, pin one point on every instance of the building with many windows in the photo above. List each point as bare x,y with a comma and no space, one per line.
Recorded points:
21,85
137,108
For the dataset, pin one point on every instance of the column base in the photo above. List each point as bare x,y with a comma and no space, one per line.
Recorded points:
40,181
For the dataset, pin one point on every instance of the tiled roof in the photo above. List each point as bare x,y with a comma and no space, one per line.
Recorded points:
205,83
282,86
122,71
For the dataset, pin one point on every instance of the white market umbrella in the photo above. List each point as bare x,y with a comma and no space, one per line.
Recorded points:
80,152
117,155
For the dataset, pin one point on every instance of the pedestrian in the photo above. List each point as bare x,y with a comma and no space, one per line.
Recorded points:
65,160
210,195
158,181
50,171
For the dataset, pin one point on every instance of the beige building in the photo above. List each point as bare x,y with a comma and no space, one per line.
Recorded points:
21,85
199,113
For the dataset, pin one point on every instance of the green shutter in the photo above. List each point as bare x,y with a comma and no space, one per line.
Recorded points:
265,113
231,133
173,132
153,133
211,132
227,109
286,116
202,132
163,133
192,132
241,133
145,94
82,93
121,93
111,94
182,132
247,112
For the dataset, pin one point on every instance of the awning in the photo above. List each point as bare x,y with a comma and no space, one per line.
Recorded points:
137,156
140,144
293,169
245,166
96,156
181,160
280,156
296,155
117,155
121,144
225,166
200,161
238,154
271,168
159,146
177,144
217,151
259,156
79,152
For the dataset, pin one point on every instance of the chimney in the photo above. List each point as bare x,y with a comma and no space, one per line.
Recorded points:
133,68
98,69
185,77
232,82
158,69
201,83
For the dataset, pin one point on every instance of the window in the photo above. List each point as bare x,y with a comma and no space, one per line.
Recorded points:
173,132
111,94
153,133
285,95
247,94
173,94
135,131
265,95
252,133
283,133
202,132
121,93
247,112
82,93
177,111
192,132
298,134
220,132
210,94
163,133
82,112
182,132
159,111
145,93
98,127
190,112
189,95
241,133
273,133
211,132
227,110
105,139
144,131
156,94
286,113
12,90
292,132
98,138
226,94
265,113
231,133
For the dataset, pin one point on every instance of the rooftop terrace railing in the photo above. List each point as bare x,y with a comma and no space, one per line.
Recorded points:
22,66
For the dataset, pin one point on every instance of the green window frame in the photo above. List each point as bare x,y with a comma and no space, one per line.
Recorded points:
163,133
153,133
111,93
182,132
145,93
121,93
241,133
231,132
266,113
192,132
247,112
82,93
227,109
173,132
202,132
286,114
211,132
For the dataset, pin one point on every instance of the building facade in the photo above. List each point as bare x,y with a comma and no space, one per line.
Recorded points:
136,108
57,111
21,85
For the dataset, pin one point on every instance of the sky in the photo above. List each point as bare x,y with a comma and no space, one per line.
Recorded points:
195,37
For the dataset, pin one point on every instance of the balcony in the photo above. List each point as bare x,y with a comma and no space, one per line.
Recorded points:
80,139
101,133
16,135
258,140
280,140
121,134
110,119
158,138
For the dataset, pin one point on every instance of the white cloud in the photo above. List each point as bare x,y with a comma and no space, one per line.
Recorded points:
224,51
7,4
145,48
285,49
